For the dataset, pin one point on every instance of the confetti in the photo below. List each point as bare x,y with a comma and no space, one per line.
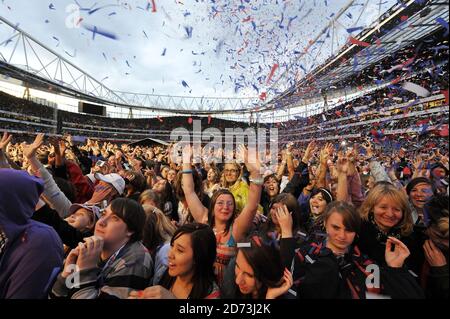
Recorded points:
96,30
417,89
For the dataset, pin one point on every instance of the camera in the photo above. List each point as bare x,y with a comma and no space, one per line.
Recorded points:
100,163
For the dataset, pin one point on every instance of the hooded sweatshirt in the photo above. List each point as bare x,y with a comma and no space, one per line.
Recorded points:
33,253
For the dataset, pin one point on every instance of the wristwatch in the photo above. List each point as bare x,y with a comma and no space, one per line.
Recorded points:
257,181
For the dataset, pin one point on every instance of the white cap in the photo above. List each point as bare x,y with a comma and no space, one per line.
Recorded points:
114,179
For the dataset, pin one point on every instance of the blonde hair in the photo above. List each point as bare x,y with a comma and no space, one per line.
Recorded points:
223,182
397,196
164,228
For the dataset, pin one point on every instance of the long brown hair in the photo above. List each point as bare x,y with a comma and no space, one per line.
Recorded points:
211,219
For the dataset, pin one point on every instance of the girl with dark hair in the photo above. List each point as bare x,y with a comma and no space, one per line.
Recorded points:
164,189
313,210
190,274
419,191
184,214
271,228
257,273
434,276
335,268
221,215
113,261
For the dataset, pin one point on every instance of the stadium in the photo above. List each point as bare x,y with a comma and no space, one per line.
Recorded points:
263,139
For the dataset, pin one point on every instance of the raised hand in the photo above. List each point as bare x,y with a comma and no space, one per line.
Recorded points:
70,262
368,147
287,282
342,164
62,147
396,258
325,153
252,162
5,141
433,254
309,152
187,154
284,218
29,150
89,252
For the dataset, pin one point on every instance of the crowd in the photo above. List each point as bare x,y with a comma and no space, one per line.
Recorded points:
106,220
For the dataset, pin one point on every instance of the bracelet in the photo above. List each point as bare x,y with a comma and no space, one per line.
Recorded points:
187,171
257,181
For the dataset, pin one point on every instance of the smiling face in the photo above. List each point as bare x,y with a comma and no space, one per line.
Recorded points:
271,187
224,207
231,173
420,194
317,204
245,276
181,257
387,213
339,237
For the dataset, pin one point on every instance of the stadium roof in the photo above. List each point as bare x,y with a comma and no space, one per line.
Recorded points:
385,38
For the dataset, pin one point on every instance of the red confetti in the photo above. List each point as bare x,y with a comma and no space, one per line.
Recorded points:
404,18
263,96
274,68
395,81
357,42
153,6
446,95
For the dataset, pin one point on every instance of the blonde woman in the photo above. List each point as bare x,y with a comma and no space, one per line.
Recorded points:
231,179
386,213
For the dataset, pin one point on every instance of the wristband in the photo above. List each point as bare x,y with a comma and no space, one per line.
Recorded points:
257,181
186,171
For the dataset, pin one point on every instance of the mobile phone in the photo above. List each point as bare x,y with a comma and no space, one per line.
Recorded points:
100,163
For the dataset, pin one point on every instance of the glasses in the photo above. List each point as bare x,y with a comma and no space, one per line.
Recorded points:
230,171
228,204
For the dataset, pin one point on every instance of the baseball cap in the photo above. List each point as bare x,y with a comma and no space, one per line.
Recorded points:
92,208
114,179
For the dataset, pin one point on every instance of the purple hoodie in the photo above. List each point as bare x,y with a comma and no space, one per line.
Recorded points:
33,254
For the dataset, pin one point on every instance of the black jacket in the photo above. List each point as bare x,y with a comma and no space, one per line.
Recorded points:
70,236
319,274
372,243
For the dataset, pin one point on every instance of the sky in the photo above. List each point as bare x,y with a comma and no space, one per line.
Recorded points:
212,48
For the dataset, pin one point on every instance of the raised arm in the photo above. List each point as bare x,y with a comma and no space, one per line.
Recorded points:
53,195
244,221
325,154
342,167
198,211
3,155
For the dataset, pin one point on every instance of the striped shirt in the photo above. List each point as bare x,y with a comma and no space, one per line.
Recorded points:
131,269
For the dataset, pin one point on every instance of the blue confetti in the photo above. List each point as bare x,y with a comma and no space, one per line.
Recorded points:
95,30
188,30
